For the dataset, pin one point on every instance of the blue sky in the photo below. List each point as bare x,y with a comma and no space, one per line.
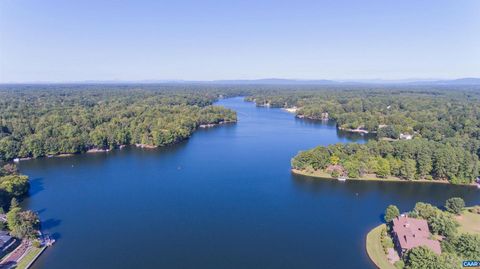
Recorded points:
208,40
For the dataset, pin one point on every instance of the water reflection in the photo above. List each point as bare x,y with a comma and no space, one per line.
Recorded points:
406,193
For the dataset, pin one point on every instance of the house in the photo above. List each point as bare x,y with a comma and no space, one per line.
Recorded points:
409,233
406,136
5,241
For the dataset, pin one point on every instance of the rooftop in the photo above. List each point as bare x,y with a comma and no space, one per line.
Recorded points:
412,233
4,238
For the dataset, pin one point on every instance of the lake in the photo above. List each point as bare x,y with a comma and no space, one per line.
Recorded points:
223,199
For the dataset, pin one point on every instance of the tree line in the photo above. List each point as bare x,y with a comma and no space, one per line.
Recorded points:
406,159
60,119
444,122
431,113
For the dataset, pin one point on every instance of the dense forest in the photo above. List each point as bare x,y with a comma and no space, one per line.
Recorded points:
434,114
61,119
406,159
423,132
432,133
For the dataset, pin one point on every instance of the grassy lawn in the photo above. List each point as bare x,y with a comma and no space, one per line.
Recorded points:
369,177
32,252
469,222
375,250
366,177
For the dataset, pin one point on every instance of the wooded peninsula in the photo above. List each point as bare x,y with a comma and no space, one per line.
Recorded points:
38,121
422,133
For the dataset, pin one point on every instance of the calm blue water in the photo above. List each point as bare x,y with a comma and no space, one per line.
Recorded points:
223,199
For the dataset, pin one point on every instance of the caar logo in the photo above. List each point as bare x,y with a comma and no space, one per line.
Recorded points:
471,263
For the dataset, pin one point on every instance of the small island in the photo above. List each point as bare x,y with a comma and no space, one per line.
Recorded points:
426,237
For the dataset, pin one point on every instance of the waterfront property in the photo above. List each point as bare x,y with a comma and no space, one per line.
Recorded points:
375,249
6,242
409,233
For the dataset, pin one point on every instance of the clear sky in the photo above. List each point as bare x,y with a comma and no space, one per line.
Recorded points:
207,40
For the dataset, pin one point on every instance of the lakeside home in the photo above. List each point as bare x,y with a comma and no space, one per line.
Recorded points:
6,242
291,109
409,233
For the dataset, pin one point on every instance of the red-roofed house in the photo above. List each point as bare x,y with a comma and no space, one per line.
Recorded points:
409,233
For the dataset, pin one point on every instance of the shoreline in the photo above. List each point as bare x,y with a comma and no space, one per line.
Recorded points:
374,249
30,260
324,175
210,125
119,147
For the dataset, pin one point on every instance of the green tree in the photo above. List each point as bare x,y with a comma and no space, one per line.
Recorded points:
383,167
455,205
395,165
334,160
23,224
8,169
449,261
391,212
353,168
443,223
467,246
421,258
423,210
424,160
15,185
408,169
14,203
13,217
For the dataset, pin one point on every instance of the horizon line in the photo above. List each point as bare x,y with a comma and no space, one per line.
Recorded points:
186,81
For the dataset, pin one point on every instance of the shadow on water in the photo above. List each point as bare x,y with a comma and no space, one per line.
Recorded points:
50,223
56,236
36,186
389,192
309,122
331,124
40,211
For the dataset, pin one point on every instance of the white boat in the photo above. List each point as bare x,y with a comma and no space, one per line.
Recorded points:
342,179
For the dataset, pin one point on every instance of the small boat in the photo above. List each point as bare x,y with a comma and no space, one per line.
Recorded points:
342,179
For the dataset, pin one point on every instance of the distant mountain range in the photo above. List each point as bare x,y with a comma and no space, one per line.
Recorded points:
281,81
460,81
